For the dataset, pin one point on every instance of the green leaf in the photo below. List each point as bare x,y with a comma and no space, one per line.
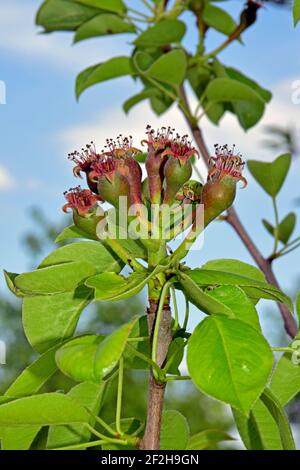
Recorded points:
199,77
208,438
212,277
169,68
19,438
227,89
129,426
112,68
142,60
73,232
88,396
46,409
40,442
214,112
135,99
237,75
76,358
10,282
55,279
49,320
285,228
160,103
140,329
296,12
235,266
276,410
270,293
238,302
269,227
174,431
163,33
113,287
111,349
176,350
285,381
248,112
259,431
61,15
91,252
198,297
253,288
270,176
34,376
229,360
101,25
117,6
219,19
134,247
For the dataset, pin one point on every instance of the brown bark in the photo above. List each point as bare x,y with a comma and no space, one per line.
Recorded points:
151,439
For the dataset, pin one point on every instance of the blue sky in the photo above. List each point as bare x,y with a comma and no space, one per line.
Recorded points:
42,122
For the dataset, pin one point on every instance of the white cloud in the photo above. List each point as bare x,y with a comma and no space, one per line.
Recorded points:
6,179
19,36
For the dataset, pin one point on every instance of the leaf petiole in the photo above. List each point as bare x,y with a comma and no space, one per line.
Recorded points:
149,361
119,396
102,423
178,377
187,314
176,323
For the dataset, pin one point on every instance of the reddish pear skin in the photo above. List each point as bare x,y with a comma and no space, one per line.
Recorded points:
217,196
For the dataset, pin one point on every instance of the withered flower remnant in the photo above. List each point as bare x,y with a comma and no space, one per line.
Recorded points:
224,173
81,200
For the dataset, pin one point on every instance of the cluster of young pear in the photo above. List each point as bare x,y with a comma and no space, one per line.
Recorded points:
116,172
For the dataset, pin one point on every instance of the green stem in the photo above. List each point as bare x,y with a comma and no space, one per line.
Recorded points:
158,320
96,433
123,254
240,28
148,5
289,247
156,84
83,445
119,396
176,323
296,240
147,359
137,12
184,247
102,423
286,252
140,20
187,313
140,339
178,377
101,436
283,350
276,231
